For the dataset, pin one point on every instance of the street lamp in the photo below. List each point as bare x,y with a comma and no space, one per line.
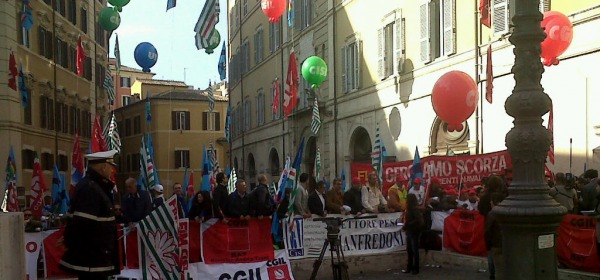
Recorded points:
528,217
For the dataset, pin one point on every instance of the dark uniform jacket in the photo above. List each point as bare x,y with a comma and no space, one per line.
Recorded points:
260,202
136,206
90,235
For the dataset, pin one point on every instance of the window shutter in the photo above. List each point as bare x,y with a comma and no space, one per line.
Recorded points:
43,112
174,120
204,120
449,27
399,43
380,54
298,14
260,45
357,56
500,16
256,48
271,38
344,69
424,11
187,120
41,41
217,121
177,159
49,43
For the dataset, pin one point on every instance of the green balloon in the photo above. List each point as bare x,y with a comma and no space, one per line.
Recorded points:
109,19
118,3
213,42
314,71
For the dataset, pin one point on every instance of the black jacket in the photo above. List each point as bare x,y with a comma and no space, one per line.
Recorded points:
414,222
220,198
260,202
315,206
238,205
136,206
202,210
91,232
352,198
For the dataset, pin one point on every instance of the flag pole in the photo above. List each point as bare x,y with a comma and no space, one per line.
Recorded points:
477,80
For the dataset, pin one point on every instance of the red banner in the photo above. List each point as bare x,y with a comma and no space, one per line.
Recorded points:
239,241
577,243
132,257
53,254
463,233
449,169
195,248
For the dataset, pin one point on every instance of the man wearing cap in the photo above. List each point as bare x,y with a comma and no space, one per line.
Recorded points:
157,193
397,195
417,190
90,236
353,197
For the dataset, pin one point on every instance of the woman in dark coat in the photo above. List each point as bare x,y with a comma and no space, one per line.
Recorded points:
414,224
202,207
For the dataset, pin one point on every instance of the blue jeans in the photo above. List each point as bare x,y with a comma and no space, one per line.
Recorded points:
412,248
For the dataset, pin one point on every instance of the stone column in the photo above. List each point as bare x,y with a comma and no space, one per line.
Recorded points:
12,244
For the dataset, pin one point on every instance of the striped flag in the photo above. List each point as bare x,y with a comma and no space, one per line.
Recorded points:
38,187
551,130
112,136
158,239
146,166
317,168
214,162
293,183
276,97
109,86
211,99
231,181
315,124
376,154
117,55
205,27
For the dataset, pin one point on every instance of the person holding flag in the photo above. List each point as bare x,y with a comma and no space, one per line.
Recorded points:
90,236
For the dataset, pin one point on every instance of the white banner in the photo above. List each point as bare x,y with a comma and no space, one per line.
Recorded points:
33,247
357,236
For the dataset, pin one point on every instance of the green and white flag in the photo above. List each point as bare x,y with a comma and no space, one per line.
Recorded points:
315,123
231,181
146,166
117,55
317,168
112,135
159,243
109,86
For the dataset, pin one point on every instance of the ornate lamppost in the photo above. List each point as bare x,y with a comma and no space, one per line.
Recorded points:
528,216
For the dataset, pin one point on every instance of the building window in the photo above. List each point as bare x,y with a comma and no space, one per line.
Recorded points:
86,123
438,29
303,14
72,12
59,6
47,161
244,7
28,157
84,20
65,118
211,121
27,113
24,37
137,125
99,35
180,120
125,82
125,99
260,108
46,113
73,120
258,46
58,118
245,56
99,78
247,115
182,158
274,39
135,162
351,65
45,42
128,127
63,163
61,56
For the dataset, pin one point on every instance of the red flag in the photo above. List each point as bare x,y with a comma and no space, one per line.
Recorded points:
81,56
53,254
489,76
189,192
13,72
98,143
275,96
12,201
38,187
551,130
77,165
484,9
290,97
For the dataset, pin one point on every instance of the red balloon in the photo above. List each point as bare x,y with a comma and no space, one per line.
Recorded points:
559,34
454,98
273,9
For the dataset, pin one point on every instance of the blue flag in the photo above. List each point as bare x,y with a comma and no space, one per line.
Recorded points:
23,88
148,115
60,199
151,150
228,124
171,4
222,67
227,170
206,168
343,177
416,171
327,185
290,13
26,15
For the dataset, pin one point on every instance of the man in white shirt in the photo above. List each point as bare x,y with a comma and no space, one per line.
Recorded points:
316,200
301,198
372,198
417,190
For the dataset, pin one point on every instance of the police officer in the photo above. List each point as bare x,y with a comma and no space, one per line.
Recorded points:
90,236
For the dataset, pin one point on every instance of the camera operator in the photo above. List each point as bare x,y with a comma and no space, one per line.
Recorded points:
564,191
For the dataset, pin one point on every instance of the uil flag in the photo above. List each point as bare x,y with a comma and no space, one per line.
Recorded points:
147,106
484,9
315,123
343,177
206,170
60,199
117,55
13,72
12,204
222,67
275,96
228,124
205,27
416,171
77,165
159,239
489,76
551,130
38,187
188,190
275,223
290,97
98,142
81,56
292,182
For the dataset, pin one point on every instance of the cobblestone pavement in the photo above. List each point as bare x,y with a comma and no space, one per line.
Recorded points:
425,273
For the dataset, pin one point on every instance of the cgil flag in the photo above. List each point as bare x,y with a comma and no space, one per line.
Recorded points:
81,57
205,27
222,66
77,165
484,9
315,123
290,94
98,141
38,187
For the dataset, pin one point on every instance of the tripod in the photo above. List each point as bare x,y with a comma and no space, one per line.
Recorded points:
339,268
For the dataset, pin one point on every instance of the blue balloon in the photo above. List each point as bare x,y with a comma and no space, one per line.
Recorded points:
145,55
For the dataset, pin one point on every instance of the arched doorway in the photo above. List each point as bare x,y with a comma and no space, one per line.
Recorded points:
446,142
274,165
360,145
